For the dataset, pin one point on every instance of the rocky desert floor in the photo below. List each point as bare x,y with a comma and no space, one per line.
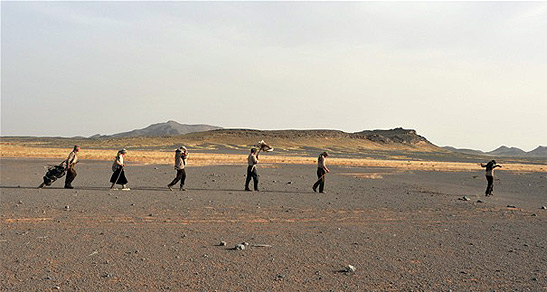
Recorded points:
400,230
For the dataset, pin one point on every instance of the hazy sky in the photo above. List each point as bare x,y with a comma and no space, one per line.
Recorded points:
465,74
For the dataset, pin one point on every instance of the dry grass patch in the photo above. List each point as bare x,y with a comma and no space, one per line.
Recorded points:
202,159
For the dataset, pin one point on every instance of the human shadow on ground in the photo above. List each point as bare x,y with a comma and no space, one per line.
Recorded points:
154,189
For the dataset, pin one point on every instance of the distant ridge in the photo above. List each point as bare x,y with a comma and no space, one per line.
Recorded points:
398,138
540,151
169,128
504,151
508,152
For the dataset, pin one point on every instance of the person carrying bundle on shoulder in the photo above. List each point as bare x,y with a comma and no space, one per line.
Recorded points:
322,170
118,177
490,166
181,154
252,161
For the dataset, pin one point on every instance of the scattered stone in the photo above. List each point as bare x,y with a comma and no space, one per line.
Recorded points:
222,243
534,215
239,246
511,206
464,198
57,288
67,207
289,183
20,202
156,168
349,269
543,208
480,201
106,275
261,245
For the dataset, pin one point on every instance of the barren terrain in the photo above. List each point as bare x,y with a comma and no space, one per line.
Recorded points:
402,229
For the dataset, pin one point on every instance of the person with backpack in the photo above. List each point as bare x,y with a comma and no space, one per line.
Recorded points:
490,166
181,154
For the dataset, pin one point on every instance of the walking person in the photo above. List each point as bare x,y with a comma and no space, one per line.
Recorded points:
251,170
181,155
322,170
70,162
490,166
118,177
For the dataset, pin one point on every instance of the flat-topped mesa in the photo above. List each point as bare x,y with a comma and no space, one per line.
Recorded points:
399,138
397,135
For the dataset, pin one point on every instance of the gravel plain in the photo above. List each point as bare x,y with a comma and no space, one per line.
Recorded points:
399,230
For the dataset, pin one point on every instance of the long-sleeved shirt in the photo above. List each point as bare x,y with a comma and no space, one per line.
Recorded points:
118,162
71,159
180,159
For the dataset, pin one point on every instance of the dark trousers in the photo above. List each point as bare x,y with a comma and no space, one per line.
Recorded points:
251,172
320,179
181,175
490,187
70,176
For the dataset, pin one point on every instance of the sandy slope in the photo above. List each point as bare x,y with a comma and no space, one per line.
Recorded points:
404,231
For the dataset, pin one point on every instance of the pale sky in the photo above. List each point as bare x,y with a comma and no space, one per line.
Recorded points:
464,74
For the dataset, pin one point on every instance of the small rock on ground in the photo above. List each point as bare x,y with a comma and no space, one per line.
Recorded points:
349,269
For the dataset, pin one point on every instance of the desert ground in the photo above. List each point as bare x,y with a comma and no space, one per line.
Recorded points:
402,230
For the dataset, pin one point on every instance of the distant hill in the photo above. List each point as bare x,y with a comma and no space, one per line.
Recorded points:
208,137
540,151
398,138
394,139
504,151
397,135
170,128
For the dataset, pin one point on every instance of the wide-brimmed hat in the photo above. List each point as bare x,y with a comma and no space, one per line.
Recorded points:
123,151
